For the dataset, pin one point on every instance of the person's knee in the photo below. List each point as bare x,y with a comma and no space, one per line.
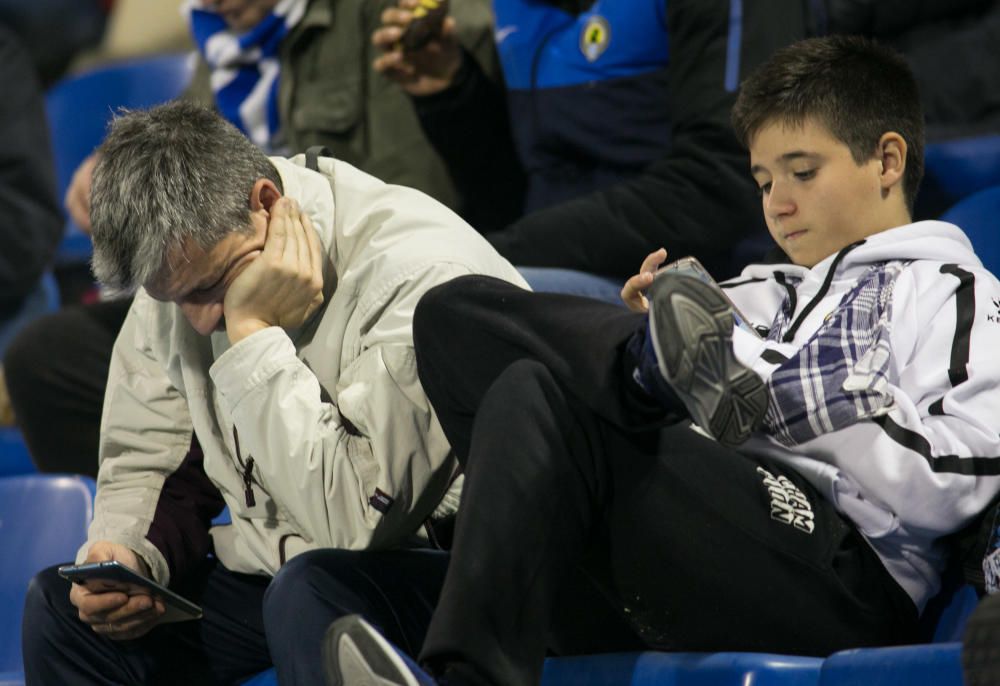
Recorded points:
524,379
438,311
309,592
307,582
525,405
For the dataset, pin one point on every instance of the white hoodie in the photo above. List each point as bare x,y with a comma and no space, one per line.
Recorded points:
901,430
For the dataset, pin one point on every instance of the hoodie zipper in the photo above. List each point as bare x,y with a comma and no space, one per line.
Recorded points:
247,468
811,305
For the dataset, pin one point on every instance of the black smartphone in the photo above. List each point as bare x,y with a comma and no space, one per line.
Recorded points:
178,608
427,18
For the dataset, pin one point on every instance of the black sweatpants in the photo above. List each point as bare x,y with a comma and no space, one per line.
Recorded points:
586,527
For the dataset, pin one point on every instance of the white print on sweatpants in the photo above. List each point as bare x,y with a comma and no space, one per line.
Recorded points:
788,503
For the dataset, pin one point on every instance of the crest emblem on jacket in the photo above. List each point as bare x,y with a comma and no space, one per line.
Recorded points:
595,37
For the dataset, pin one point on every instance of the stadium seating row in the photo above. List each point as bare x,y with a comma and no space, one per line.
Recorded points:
44,518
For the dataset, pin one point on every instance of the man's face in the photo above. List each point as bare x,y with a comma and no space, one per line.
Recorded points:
196,280
816,198
242,15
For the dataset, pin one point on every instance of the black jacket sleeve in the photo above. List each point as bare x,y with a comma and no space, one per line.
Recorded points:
698,200
469,126
31,224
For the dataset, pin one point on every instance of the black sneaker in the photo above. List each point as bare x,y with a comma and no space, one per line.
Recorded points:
691,324
356,654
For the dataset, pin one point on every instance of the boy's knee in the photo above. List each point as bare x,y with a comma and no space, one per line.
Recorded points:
524,379
437,308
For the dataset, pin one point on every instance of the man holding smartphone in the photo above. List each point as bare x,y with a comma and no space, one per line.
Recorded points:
266,365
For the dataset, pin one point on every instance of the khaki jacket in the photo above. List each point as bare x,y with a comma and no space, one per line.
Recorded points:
347,452
330,95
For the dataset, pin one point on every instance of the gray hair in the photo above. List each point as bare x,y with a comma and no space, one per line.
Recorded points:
164,177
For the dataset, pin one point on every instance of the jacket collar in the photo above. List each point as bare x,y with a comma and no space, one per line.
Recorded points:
314,194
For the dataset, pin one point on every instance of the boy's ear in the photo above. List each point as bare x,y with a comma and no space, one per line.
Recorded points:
891,154
263,195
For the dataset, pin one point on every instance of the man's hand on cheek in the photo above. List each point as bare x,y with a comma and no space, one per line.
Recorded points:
283,285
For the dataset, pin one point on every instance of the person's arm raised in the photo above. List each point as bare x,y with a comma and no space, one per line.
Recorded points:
424,70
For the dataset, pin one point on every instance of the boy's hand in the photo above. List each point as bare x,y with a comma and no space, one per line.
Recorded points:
424,71
632,291
283,285
114,609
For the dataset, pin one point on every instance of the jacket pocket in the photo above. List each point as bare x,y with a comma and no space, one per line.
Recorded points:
326,107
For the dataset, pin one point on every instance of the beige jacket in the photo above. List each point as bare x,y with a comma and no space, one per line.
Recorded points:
333,414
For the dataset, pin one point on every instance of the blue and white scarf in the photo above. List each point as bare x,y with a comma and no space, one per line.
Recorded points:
245,68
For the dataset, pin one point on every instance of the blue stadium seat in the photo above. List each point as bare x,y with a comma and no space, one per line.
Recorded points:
43,521
268,678
979,217
955,169
932,664
937,664
14,457
79,108
682,669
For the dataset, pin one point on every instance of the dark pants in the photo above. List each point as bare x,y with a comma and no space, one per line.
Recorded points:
250,622
586,527
56,371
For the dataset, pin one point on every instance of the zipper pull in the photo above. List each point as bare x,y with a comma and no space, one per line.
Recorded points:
248,483
247,471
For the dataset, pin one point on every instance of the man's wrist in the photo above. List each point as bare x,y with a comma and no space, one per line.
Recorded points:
240,329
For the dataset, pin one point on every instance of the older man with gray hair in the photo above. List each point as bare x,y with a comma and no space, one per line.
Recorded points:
266,364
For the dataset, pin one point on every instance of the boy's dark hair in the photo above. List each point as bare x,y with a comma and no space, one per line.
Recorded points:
857,88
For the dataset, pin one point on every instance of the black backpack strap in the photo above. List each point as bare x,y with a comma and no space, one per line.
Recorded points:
314,153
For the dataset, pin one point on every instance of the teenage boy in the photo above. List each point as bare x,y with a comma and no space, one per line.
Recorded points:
594,521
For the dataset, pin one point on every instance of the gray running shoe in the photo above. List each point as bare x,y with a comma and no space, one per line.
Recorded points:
356,654
692,329
981,644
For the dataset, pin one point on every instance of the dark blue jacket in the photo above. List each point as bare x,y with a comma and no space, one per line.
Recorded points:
586,93
611,136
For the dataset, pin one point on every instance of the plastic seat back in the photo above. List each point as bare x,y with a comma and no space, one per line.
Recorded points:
79,108
43,521
956,169
979,216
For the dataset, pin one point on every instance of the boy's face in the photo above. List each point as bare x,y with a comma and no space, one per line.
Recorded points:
816,198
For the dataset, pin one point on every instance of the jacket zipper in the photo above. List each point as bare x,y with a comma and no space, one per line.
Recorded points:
811,305
247,468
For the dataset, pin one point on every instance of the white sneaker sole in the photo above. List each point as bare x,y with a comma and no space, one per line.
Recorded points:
355,654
